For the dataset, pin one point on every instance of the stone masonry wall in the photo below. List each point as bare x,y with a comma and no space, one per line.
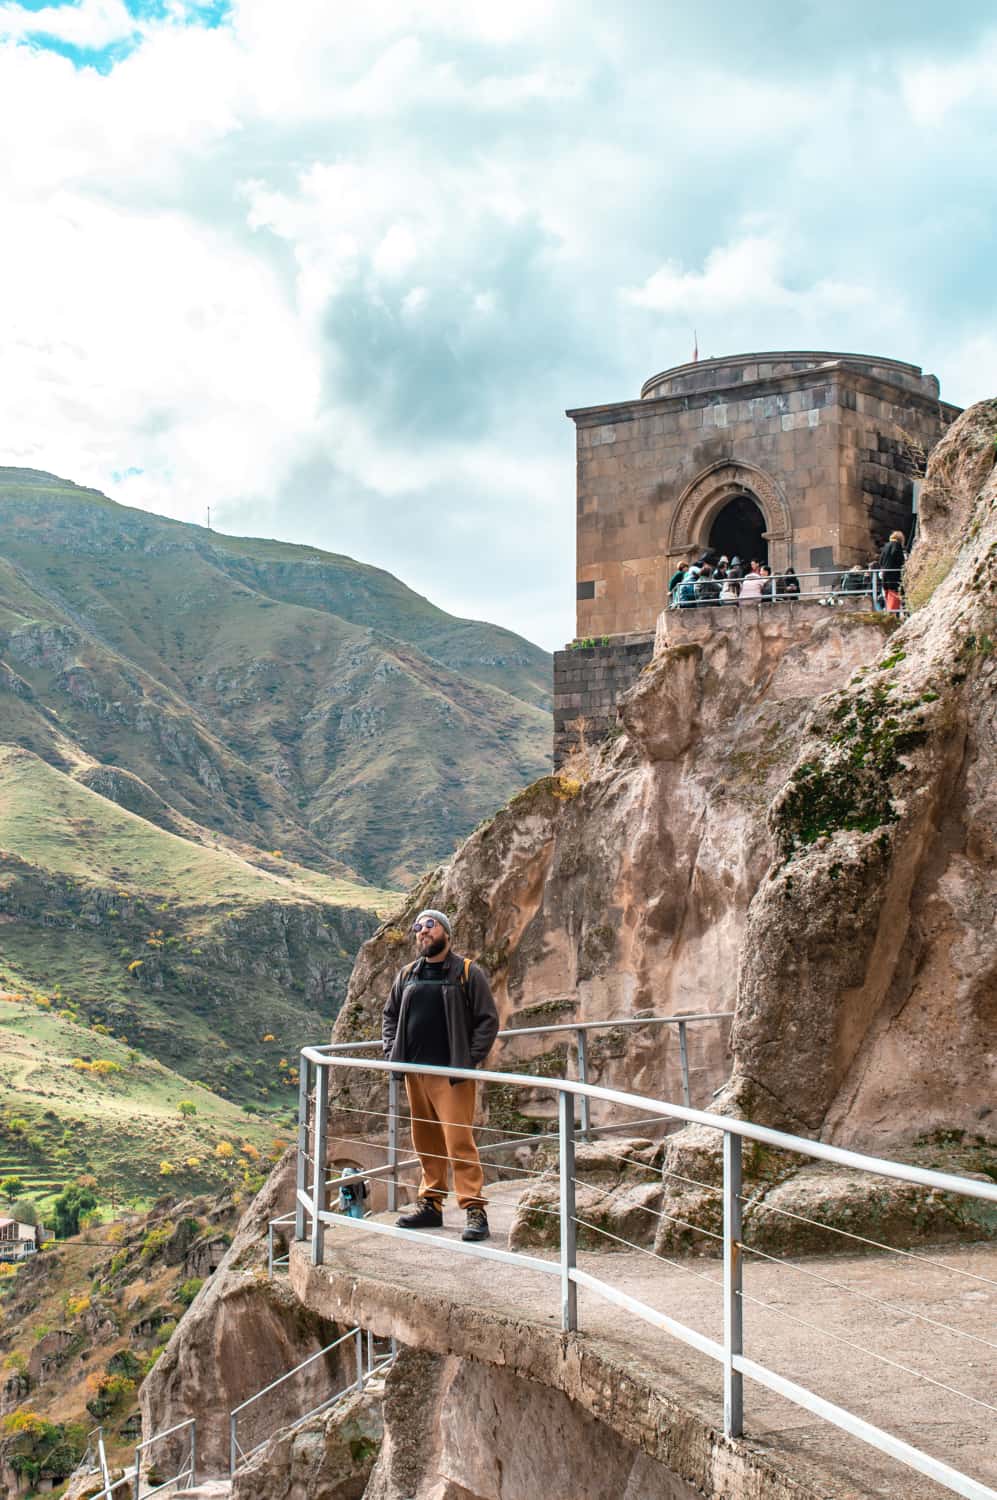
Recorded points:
588,681
828,453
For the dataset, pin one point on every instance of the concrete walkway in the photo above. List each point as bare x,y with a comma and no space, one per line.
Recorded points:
429,1297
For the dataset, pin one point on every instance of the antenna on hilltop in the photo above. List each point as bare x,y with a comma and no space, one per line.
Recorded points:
209,517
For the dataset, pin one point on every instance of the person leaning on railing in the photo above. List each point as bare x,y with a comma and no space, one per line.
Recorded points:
440,1012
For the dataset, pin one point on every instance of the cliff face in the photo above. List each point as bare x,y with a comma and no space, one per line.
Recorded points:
626,886
796,823
868,985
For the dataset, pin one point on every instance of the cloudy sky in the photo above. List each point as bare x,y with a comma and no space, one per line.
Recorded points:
337,270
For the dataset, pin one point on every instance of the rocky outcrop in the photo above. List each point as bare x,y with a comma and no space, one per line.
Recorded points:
329,1457
867,994
797,823
624,884
458,1430
241,1332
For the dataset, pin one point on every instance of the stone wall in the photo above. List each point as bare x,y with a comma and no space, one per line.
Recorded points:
825,445
588,681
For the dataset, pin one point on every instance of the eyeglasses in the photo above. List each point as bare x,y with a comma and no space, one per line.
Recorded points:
429,923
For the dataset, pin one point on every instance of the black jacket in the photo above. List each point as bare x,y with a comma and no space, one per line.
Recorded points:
891,560
472,1020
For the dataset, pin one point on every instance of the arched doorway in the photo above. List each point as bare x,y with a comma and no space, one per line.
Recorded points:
738,530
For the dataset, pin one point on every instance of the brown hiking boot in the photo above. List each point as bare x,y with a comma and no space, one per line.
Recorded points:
426,1213
477,1225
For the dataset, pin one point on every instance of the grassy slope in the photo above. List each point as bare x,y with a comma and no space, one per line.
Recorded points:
220,671
192,953
121,1126
54,822
123,1278
240,697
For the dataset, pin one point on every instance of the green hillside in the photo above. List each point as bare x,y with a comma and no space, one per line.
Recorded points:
193,953
275,695
119,1122
219,760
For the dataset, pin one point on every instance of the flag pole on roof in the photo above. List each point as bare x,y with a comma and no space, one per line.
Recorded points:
695,347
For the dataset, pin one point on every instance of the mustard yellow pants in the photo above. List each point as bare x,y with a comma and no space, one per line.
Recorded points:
442,1117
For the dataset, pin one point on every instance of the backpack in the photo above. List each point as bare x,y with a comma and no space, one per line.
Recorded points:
463,977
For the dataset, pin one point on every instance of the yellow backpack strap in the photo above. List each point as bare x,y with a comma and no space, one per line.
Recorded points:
467,970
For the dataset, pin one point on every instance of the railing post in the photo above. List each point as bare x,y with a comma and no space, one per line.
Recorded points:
360,1370
318,1194
583,1077
232,1445
733,1304
566,1132
138,1473
392,1141
370,1352
193,1454
270,1251
102,1458
684,1060
301,1176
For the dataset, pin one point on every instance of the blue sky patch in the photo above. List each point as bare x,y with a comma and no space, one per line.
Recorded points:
205,13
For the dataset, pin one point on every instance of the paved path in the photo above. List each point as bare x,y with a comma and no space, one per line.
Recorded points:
958,1289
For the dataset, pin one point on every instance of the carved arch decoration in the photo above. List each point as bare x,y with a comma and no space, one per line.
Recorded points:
703,499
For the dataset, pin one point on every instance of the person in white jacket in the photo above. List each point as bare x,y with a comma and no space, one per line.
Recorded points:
752,585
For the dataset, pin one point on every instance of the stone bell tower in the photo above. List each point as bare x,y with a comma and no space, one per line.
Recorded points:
802,459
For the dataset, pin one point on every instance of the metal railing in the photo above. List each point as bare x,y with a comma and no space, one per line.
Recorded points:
729,1352
186,1476
579,1029
95,1461
824,586
365,1370
274,1261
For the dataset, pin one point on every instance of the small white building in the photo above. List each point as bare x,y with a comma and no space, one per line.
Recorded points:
18,1241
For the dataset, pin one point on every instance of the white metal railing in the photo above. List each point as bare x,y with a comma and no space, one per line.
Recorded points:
274,1261
186,1476
824,586
365,1370
317,1063
579,1029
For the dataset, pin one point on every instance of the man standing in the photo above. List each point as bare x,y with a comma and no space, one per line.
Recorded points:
440,1012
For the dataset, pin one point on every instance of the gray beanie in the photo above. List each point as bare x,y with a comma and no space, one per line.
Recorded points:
440,916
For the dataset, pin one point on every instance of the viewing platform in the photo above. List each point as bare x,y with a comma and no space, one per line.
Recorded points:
659,1399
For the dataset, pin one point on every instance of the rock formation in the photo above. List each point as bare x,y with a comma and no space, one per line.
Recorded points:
797,822
241,1332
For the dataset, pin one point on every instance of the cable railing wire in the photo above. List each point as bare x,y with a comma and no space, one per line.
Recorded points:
730,1353
761,1206
885,1359
852,1291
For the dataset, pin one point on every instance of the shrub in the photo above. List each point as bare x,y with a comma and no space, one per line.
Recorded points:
70,1204
155,1240
187,1107
186,1293
12,1187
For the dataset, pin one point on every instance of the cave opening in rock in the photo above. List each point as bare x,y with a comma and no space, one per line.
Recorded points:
738,531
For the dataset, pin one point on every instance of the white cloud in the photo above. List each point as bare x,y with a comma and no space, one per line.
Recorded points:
383,246
935,89
749,273
93,24
141,340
